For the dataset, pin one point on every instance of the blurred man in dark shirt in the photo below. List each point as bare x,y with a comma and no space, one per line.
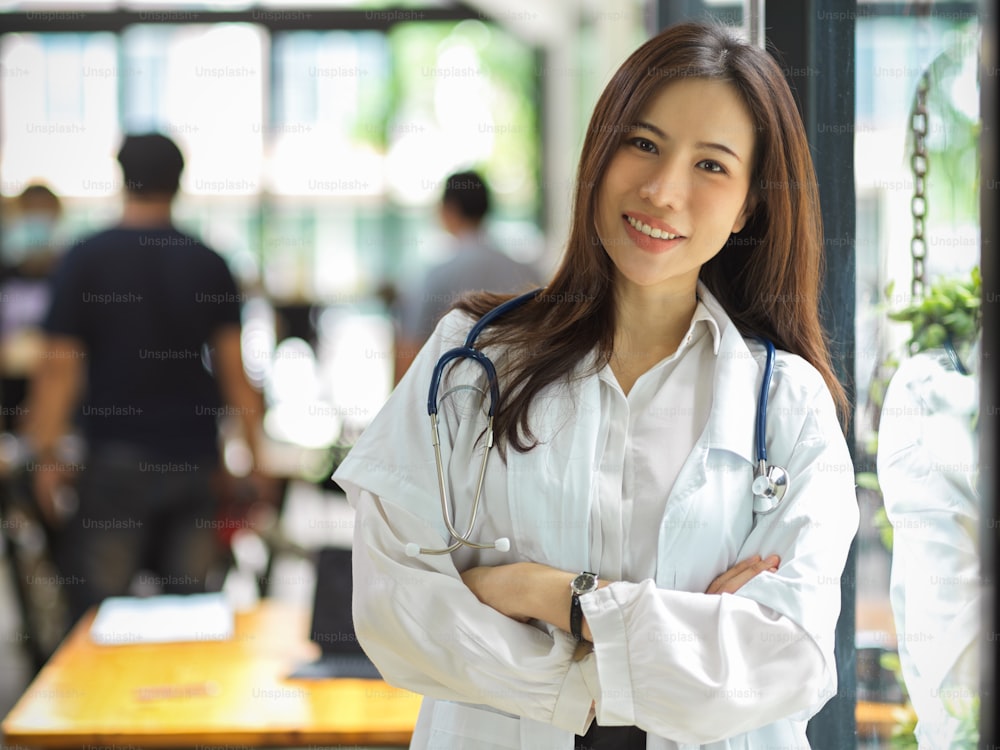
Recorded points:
143,353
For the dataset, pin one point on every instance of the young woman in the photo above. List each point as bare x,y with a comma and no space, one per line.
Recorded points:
628,391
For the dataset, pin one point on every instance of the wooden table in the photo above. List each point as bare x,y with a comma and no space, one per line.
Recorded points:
224,693
877,720
203,694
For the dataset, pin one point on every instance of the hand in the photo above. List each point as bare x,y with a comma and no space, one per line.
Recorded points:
734,578
48,482
256,500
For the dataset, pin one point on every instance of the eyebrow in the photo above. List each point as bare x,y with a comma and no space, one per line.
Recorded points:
701,144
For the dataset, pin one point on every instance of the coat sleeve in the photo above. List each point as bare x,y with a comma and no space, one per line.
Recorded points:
428,633
698,668
416,619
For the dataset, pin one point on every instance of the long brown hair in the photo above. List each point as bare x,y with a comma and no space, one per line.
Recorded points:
767,277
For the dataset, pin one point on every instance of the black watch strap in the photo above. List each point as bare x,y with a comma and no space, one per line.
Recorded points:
576,617
582,584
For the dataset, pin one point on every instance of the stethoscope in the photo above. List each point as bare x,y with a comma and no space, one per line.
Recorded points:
769,485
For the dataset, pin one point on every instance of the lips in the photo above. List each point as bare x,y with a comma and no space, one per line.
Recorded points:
651,228
649,235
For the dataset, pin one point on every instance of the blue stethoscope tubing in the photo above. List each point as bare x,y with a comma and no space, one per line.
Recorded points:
769,485
467,351
770,482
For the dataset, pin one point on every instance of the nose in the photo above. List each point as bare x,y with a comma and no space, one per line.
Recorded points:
666,185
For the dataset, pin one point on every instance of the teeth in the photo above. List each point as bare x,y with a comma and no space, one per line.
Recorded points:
656,234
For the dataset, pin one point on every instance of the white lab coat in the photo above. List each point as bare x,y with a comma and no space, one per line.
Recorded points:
928,459
717,671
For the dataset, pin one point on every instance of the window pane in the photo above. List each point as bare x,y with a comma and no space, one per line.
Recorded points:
59,121
202,85
918,560
466,97
330,95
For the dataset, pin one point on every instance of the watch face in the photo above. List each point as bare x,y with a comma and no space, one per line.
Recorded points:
584,583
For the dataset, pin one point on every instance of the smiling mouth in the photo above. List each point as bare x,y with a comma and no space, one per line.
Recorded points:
655,233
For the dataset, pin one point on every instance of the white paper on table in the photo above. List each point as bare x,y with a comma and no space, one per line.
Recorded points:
162,619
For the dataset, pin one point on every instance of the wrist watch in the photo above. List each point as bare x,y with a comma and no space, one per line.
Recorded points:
582,584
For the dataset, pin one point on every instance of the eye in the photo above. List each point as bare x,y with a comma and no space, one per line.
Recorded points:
643,144
712,166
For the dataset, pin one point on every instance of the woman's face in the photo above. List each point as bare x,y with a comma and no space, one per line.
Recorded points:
677,186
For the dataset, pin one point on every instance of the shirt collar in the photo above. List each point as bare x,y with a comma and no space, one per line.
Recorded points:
707,314
714,314
703,314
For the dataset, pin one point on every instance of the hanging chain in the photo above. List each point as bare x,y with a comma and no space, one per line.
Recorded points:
918,204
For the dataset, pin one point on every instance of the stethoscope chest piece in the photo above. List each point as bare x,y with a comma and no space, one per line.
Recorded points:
769,486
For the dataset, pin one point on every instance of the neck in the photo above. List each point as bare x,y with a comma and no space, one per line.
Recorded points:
457,223
146,213
649,327
653,315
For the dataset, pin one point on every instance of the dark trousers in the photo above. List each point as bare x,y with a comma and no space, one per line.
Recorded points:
611,738
137,512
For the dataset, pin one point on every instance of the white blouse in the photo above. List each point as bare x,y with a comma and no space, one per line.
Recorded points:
651,491
638,453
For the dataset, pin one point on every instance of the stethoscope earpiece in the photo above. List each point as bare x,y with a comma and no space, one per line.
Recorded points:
415,550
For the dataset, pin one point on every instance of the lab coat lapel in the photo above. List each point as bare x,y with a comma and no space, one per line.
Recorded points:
714,483
551,487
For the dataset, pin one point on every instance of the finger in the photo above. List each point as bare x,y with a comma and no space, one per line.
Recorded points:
735,583
736,570
734,578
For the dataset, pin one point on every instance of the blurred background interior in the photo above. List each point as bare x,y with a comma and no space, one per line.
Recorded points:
317,136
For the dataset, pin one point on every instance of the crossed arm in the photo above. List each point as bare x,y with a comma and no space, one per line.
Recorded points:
527,591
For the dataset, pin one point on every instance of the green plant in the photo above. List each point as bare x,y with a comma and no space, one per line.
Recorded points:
967,712
949,312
